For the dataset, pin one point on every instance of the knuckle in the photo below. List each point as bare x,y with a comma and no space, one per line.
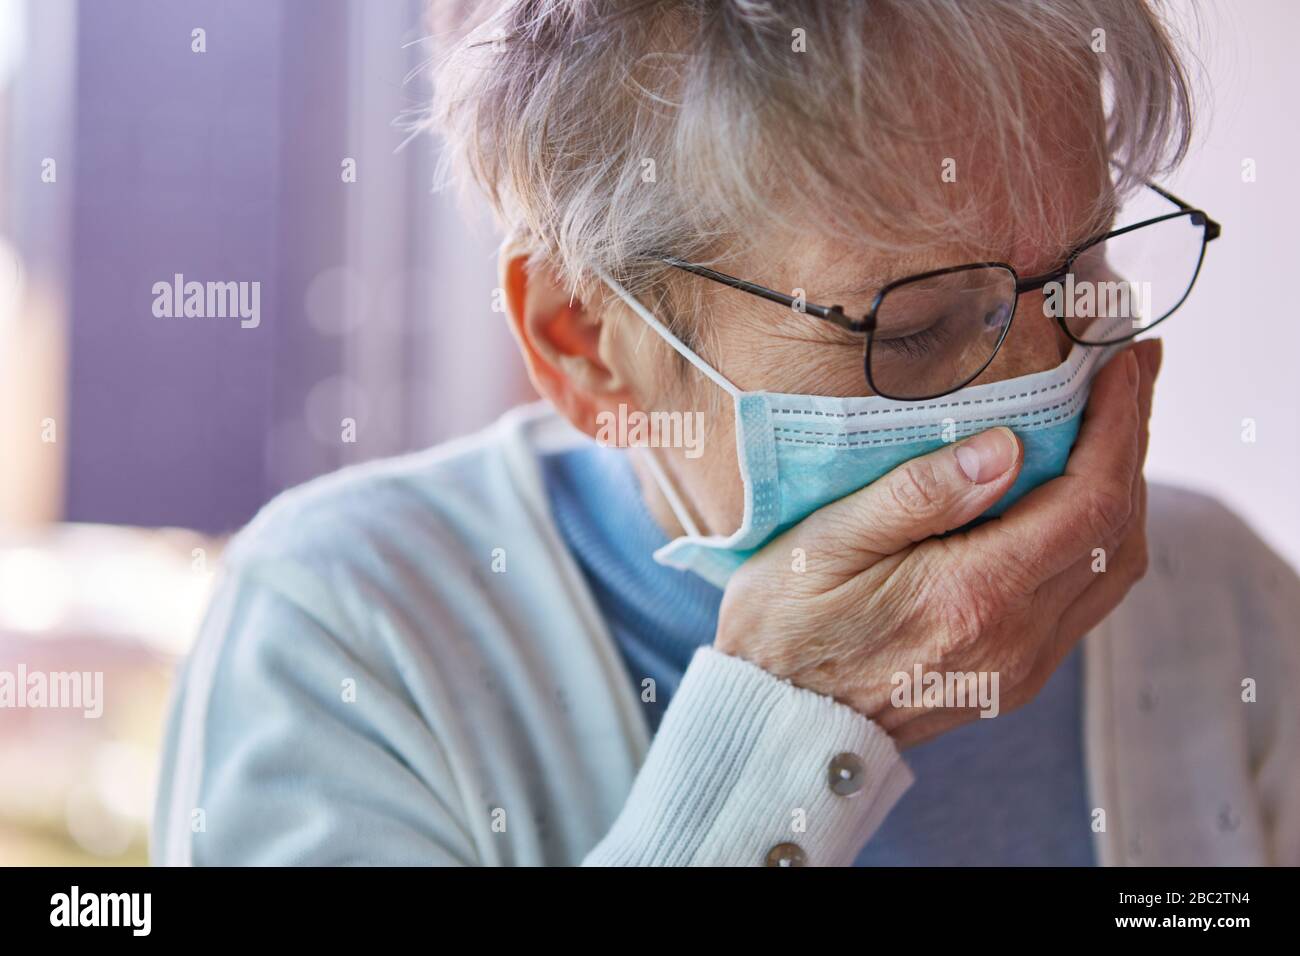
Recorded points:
916,489
965,615
960,630
1107,510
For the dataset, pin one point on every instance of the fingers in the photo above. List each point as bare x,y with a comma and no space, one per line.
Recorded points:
1082,536
1150,355
1053,526
919,499
1075,580
1079,617
1096,602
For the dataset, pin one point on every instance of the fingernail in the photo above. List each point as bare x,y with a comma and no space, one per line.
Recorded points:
1157,359
1131,367
987,455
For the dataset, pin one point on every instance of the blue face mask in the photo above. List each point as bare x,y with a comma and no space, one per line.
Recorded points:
798,453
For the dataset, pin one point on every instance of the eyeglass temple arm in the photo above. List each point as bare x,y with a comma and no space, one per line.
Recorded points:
831,313
1212,228
835,313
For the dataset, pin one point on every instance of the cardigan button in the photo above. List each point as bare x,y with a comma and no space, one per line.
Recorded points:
846,774
786,854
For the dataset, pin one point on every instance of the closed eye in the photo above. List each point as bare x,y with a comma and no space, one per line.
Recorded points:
919,343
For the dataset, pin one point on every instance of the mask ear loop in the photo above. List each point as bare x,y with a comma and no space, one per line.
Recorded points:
666,486
666,334
656,468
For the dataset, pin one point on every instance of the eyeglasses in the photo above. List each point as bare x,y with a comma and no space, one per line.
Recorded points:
933,333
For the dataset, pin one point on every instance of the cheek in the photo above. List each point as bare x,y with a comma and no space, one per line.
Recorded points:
725,490
711,481
1034,344
703,468
798,357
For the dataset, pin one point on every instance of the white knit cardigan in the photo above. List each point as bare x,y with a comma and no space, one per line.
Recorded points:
404,664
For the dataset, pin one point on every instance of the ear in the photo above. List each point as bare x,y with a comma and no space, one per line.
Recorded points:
568,348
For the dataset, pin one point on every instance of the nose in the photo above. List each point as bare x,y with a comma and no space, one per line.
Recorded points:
1035,343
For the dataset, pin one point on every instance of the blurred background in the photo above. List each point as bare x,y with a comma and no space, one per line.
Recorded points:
127,156
258,140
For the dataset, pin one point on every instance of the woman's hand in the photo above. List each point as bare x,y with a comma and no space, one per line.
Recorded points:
879,593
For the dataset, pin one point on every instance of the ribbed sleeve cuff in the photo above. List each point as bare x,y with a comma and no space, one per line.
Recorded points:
747,769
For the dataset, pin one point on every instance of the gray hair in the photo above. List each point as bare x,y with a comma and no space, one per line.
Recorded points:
606,133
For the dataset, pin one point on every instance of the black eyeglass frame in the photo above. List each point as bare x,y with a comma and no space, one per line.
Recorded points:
867,324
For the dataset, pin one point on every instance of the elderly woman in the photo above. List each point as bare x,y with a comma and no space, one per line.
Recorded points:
830,543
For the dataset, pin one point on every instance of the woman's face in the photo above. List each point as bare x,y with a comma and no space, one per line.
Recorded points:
762,346
605,356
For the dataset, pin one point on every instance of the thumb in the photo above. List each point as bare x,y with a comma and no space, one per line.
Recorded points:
919,499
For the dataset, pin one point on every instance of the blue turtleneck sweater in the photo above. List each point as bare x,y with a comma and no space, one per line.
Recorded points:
1005,791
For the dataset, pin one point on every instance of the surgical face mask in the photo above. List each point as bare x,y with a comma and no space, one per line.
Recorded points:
798,453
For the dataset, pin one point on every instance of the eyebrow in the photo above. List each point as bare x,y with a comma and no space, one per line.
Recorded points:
865,286
868,285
